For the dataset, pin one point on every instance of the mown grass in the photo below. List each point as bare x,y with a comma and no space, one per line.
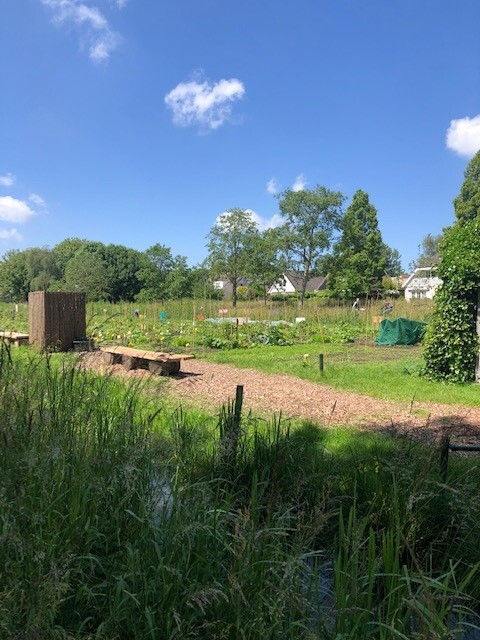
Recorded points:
381,372
122,519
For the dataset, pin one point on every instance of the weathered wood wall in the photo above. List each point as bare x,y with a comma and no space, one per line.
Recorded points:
56,319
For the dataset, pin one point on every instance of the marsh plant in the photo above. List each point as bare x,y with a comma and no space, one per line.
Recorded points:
124,518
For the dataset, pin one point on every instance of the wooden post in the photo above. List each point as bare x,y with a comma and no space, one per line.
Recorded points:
238,406
444,451
320,362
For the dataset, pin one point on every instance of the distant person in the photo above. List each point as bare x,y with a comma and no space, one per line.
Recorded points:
388,308
356,305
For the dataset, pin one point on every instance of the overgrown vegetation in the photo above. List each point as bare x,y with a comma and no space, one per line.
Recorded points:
452,342
122,518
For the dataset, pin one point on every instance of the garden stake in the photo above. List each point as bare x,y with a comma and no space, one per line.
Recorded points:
320,362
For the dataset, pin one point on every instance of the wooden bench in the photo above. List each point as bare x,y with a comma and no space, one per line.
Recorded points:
162,364
15,338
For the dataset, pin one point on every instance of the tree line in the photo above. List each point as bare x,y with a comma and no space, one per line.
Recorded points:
316,238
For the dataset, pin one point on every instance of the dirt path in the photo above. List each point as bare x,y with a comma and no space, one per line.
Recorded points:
210,385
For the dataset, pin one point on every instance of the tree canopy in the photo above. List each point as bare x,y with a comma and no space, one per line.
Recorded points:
360,256
229,246
312,216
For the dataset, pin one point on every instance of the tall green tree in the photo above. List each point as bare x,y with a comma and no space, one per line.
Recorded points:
467,203
428,251
265,261
229,245
312,216
157,264
393,261
87,272
360,256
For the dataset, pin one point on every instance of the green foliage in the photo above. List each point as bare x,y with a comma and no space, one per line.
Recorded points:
467,203
428,251
124,519
229,245
360,258
451,340
86,272
452,343
311,216
393,261
265,262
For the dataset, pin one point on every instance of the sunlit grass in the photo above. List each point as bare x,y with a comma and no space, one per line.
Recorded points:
123,518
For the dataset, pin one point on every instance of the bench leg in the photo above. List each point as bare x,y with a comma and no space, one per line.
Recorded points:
129,363
111,358
164,368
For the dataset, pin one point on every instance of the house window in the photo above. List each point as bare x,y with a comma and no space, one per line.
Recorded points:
218,284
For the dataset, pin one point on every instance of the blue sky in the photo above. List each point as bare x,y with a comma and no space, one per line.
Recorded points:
135,121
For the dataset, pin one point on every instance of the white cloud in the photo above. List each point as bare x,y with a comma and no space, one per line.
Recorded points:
300,183
13,210
10,234
95,27
36,199
266,223
202,103
7,180
463,136
262,223
272,186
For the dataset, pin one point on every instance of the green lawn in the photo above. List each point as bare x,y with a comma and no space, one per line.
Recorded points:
382,372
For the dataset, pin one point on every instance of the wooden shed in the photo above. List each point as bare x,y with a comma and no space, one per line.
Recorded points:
56,319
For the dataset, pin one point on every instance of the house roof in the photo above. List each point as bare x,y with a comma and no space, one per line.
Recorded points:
416,274
313,284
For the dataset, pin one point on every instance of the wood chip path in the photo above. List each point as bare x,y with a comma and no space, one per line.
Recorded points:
210,385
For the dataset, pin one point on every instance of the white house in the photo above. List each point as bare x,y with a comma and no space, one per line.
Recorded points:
291,282
422,284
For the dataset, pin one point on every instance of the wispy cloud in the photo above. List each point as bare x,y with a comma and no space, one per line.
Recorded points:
463,136
261,222
272,186
10,234
300,183
37,200
202,103
7,180
13,210
266,223
93,26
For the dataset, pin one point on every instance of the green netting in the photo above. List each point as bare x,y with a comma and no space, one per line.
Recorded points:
400,331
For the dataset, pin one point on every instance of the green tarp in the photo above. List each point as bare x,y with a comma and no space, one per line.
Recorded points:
400,331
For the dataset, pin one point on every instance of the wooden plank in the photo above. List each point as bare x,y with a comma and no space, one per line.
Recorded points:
13,335
156,356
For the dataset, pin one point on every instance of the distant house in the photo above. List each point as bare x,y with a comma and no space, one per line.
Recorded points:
291,282
422,284
225,286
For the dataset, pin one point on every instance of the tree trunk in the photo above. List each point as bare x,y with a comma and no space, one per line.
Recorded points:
234,293
304,284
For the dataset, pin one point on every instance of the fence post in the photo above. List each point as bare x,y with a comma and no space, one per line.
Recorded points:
320,362
444,451
237,412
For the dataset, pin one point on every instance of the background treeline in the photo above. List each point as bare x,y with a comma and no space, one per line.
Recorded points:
317,238
106,272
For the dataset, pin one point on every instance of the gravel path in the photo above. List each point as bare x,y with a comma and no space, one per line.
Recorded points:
210,385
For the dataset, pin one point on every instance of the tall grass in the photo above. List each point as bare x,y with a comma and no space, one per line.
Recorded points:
122,518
